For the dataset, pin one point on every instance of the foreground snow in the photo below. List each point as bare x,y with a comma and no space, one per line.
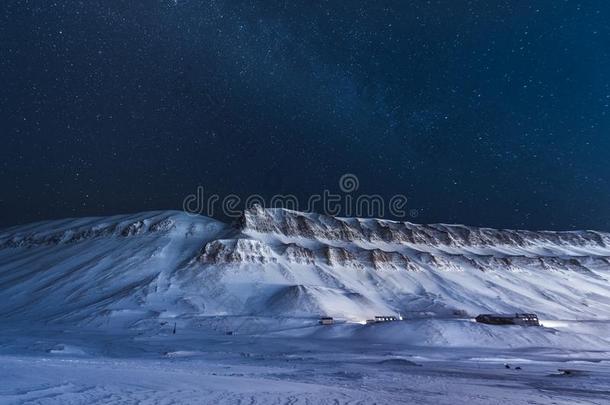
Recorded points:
71,366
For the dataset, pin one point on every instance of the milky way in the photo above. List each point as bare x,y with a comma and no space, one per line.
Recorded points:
486,113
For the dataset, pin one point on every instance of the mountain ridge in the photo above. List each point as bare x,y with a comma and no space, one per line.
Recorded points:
158,265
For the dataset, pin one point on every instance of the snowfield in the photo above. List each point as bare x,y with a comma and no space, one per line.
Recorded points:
88,309
94,367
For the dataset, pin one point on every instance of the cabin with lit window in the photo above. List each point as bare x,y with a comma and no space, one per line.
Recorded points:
385,319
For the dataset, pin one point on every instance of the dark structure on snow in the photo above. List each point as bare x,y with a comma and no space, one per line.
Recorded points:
385,319
511,319
326,320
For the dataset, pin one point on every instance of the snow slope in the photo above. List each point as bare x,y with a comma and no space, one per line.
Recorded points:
98,269
158,267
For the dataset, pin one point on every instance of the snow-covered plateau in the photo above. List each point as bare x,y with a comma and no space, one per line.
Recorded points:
166,307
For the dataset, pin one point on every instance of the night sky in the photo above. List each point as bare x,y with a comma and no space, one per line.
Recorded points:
490,113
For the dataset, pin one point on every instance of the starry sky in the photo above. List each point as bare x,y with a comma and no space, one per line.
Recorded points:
492,113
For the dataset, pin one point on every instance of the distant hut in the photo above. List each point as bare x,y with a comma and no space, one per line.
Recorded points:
385,319
326,320
510,319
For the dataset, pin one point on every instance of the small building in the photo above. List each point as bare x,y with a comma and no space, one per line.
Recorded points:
510,319
326,320
385,319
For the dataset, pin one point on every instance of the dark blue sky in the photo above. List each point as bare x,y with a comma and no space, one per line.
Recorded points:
486,113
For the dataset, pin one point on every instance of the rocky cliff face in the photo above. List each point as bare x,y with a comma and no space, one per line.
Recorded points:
237,251
76,231
304,238
285,224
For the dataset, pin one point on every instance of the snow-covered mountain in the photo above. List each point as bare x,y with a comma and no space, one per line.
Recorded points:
158,265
